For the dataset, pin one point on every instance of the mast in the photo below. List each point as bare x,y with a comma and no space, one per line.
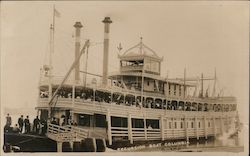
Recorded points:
215,79
201,85
86,67
50,59
184,82
55,13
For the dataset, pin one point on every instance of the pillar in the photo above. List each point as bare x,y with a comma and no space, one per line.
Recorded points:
59,146
109,127
196,128
222,125
130,136
214,123
145,128
205,127
186,128
162,127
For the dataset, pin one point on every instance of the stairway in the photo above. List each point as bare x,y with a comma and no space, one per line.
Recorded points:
67,133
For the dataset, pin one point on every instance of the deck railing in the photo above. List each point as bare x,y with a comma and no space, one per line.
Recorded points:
66,133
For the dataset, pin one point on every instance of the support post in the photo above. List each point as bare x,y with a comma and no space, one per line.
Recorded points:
196,128
162,127
222,125
205,127
186,128
59,146
130,136
145,128
214,123
109,127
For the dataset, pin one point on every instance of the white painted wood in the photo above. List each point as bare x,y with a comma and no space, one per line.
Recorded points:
109,127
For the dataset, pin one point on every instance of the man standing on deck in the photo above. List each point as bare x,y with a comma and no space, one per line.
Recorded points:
36,125
27,124
20,123
8,120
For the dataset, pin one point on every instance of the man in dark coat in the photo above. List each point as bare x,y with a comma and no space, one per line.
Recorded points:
8,120
43,126
36,125
27,124
20,123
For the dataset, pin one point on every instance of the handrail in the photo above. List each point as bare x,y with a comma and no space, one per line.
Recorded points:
68,132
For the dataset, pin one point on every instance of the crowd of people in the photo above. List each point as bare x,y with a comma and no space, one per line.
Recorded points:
23,125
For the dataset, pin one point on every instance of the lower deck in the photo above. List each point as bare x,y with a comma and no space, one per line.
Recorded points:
120,123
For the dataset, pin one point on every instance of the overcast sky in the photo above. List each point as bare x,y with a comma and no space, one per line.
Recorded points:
200,36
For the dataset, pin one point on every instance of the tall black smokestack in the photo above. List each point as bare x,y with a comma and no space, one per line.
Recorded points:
78,27
106,22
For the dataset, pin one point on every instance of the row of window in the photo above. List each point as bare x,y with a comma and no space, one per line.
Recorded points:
151,123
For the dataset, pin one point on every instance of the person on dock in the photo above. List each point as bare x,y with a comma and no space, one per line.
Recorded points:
7,127
27,124
16,129
36,125
8,120
20,123
43,126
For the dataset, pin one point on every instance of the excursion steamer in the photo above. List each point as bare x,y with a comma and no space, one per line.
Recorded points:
132,105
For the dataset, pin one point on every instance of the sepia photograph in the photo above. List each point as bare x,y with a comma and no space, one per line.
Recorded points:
124,77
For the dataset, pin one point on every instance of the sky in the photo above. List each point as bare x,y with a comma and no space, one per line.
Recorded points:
198,36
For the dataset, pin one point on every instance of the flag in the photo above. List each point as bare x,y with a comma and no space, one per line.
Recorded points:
57,13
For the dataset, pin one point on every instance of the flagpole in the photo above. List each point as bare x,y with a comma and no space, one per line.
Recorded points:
53,30
52,27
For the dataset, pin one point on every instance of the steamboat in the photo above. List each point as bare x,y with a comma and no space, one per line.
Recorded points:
131,106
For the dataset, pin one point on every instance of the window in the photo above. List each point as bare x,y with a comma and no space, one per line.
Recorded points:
119,122
148,83
84,120
199,125
181,124
100,120
137,123
169,125
192,124
175,125
208,124
187,124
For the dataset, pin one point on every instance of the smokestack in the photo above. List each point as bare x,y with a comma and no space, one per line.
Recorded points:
106,22
78,27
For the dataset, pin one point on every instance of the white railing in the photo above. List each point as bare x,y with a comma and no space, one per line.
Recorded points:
138,134
153,134
66,133
119,131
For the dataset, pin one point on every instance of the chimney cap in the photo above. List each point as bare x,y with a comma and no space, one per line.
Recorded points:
107,20
78,25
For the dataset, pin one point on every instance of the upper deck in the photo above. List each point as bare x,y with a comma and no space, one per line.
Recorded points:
71,86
